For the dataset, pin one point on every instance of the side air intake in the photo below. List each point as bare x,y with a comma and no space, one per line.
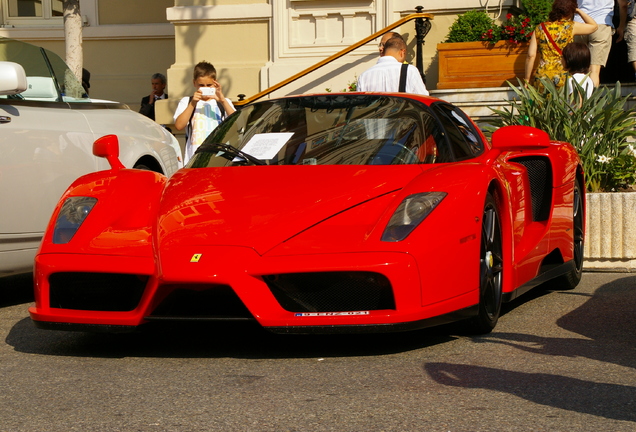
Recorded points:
540,176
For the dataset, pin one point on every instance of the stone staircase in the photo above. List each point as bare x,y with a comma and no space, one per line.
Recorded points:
476,102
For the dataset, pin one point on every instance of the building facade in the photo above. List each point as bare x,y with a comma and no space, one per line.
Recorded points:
254,44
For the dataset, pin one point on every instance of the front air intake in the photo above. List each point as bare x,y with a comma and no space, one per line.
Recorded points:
112,292
331,291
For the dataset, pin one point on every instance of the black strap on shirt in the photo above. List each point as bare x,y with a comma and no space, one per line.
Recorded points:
403,71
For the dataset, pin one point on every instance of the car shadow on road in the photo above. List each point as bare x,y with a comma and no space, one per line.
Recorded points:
607,322
206,340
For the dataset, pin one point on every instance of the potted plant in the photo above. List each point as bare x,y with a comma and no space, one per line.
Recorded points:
602,129
479,52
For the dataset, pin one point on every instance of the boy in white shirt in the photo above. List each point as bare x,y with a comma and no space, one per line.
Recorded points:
202,112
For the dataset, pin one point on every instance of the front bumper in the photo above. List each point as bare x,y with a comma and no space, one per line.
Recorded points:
245,274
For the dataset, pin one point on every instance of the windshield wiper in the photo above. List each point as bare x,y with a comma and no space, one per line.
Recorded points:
233,152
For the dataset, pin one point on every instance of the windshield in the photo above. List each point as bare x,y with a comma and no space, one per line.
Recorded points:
48,78
325,130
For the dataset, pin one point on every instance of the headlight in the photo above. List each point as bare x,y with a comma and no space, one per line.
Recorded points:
410,213
72,215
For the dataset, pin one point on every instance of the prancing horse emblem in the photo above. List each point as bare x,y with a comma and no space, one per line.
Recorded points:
195,257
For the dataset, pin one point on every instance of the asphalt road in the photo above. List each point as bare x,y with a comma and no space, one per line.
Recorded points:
557,361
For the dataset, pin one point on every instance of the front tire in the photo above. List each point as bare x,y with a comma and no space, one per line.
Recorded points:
490,271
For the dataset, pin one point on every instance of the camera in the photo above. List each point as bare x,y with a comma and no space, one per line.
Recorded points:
207,91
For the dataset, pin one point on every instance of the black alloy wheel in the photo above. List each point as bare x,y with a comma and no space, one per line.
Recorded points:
490,271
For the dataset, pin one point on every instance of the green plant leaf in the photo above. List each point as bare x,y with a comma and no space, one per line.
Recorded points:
599,127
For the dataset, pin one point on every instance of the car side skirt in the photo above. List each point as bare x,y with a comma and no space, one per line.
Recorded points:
554,272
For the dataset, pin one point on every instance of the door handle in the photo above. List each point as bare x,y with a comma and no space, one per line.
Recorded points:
5,119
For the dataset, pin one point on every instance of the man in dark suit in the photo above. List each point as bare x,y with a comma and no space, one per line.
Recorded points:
158,82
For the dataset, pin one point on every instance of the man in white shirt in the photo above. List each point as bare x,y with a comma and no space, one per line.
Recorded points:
384,76
385,37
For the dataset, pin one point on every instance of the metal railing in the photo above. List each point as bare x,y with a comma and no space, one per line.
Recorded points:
422,27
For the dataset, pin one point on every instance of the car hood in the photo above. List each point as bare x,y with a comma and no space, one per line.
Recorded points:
261,206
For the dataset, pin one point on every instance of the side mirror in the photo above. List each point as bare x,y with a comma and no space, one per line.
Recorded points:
12,78
514,137
108,147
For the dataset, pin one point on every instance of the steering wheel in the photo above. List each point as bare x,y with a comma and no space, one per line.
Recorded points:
404,156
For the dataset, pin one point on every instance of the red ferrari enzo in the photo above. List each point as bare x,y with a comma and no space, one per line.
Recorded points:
315,214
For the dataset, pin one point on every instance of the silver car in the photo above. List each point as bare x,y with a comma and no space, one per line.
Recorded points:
47,128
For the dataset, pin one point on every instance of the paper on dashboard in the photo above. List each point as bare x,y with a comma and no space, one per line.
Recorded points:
266,145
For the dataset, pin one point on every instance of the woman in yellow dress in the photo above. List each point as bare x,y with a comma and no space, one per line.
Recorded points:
549,38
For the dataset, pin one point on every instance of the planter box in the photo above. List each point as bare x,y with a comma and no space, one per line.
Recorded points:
610,240
479,64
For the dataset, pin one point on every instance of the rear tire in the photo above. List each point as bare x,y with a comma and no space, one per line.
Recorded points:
571,279
490,272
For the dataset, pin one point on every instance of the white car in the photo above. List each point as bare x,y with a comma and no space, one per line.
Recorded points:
47,128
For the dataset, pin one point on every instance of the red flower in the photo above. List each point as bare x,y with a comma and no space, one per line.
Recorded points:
514,29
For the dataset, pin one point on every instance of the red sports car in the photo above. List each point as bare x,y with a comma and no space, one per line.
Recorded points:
314,214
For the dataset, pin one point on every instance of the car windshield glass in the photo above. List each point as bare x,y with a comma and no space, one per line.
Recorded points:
71,87
48,78
325,130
